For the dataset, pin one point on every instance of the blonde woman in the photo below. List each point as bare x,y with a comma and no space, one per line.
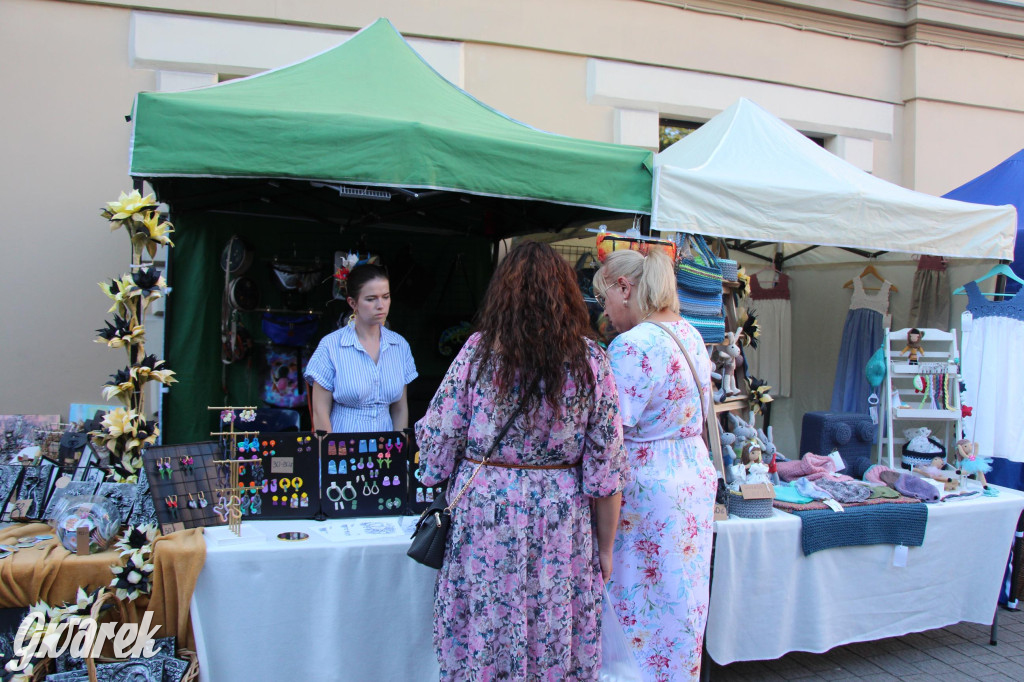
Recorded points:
662,557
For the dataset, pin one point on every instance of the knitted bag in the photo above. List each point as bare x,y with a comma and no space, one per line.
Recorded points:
701,272
699,288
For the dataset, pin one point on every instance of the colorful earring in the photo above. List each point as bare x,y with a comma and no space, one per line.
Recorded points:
394,481
191,502
202,500
172,505
332,468
222,508
342,467
304,500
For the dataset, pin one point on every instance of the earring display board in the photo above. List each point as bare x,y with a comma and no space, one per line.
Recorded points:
420,495
182,484
281,479
364,474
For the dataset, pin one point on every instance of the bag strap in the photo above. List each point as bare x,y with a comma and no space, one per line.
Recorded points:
490,451
693,368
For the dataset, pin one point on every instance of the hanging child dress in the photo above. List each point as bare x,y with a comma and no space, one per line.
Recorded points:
992,363
772,360
862,336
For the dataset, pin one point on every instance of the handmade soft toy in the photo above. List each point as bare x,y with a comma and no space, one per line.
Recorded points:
913,348
729,359
744,432
936,471
756,469
971,463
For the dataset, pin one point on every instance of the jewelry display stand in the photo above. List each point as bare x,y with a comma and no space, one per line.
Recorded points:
364,474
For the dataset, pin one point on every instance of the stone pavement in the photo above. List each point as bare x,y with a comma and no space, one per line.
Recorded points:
955,654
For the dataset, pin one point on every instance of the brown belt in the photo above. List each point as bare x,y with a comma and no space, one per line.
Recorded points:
504,465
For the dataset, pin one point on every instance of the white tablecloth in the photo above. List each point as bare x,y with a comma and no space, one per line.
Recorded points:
319,609
768,598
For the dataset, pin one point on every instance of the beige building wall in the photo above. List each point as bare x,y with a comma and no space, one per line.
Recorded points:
921,94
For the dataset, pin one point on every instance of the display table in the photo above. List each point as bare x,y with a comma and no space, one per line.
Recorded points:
768,599
52,574
326,608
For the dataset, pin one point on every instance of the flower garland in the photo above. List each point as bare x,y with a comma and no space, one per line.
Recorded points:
125,432
131,580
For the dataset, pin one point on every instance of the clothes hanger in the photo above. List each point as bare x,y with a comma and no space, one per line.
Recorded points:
870,270
1001,269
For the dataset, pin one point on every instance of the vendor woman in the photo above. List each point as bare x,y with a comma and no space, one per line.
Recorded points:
359,373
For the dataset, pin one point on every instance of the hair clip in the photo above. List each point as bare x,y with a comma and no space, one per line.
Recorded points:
202,500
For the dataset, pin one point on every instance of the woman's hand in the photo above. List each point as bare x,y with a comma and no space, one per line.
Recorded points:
606,565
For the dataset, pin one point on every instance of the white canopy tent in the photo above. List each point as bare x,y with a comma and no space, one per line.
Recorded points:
746,175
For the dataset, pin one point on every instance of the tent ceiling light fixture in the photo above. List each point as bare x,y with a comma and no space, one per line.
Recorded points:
356,192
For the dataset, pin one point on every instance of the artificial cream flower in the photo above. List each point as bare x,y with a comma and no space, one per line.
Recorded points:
127,207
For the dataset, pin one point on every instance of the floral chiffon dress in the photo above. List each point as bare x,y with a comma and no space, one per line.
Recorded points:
519,595
662,561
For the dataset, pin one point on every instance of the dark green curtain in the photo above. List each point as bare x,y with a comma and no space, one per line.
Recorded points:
436,282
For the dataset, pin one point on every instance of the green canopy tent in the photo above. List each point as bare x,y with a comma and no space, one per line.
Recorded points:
351,148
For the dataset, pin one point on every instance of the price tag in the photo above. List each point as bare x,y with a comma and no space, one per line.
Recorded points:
833,505
899,556
82,541
282,465
721,513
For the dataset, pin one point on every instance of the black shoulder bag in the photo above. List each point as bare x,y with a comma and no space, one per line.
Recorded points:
430,537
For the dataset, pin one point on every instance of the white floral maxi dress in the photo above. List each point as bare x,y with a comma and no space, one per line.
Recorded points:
519,594
662,563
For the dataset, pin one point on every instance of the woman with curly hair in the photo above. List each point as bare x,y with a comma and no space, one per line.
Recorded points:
663,548
519,595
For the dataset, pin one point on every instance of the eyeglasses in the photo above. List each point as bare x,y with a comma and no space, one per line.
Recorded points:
601,298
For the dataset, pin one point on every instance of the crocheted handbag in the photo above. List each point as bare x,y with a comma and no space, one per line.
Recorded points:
699,288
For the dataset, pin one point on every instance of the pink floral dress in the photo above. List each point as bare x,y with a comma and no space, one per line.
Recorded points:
662,563
519,595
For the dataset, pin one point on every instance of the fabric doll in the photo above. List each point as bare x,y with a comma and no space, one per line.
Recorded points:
757,470
913,348
971,463
935,470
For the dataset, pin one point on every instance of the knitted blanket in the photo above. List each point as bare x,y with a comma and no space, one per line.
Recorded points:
890,524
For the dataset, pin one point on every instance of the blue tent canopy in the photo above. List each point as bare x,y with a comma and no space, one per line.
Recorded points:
1004,184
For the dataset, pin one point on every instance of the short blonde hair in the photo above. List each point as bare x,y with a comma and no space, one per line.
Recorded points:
653,276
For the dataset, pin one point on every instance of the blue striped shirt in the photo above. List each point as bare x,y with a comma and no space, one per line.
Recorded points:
362,389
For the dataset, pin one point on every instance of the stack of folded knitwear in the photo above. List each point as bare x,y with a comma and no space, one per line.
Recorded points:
813,478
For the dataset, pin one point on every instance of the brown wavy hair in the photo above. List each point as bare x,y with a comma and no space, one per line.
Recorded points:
534,323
